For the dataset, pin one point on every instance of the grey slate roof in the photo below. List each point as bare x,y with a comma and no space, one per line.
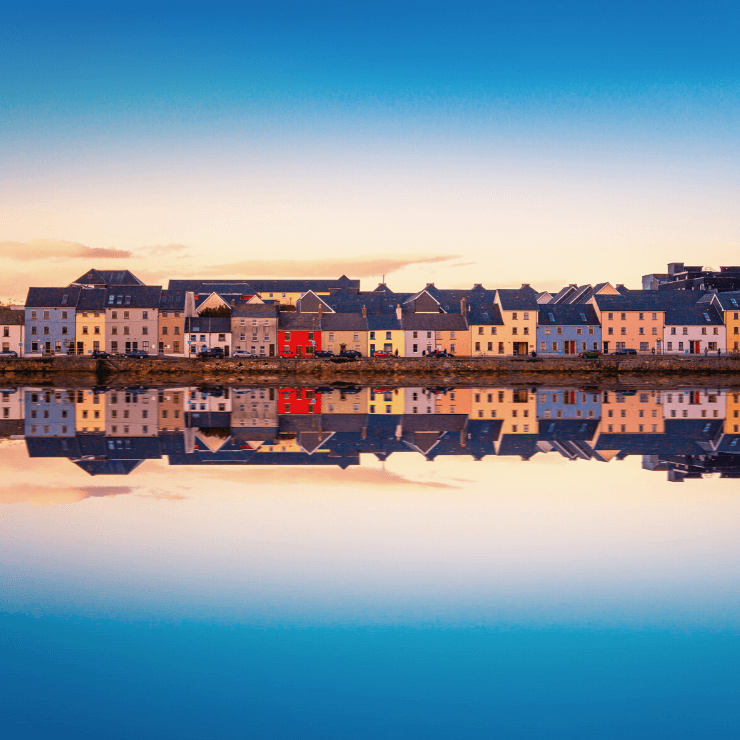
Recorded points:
92,299
254,310
524,298
53,297
134,296
383,322
343,322
172,300
645,300
207,325
108,277
291,321
434,322
241,287
729,301
9,317
251,287
693,315
567,315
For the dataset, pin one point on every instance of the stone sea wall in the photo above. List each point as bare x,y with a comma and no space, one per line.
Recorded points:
465,371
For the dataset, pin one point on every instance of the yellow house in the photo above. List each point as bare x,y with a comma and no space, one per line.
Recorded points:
518,334
729,304
732,415
385,401
385,333
516,408
90,321
89,411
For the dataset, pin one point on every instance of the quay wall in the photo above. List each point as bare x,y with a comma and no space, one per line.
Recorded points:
463,370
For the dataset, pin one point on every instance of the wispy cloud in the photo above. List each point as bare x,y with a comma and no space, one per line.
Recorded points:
43,249
359,267
57,495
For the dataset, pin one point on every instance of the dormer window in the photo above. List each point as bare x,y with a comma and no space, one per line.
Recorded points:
128,300
552,318
706,316
65,299
119,300
583,317
111,299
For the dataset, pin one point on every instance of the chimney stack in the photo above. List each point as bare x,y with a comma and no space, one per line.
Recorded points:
364,312
463,307
398,311
321,310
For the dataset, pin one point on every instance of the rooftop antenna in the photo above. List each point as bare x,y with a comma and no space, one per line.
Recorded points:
383,279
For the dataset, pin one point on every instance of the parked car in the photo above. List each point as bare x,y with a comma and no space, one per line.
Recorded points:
353,353
440,353
100,354
8,353
323,353
590,353
626,351
136,354
287,355
245,354
216,352
382,353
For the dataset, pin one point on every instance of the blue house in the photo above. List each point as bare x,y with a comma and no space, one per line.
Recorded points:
50,320
567,330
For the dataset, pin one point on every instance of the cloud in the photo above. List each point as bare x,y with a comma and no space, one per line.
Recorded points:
57,495
358,267
42,249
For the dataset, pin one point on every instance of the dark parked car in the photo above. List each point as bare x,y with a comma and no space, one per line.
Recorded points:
137,354
100,354
590,353
212,352
353,353
8,353
323,353
626,351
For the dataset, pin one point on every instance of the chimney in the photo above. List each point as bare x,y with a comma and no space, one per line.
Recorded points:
526,285
463,307
321,310
398,311
364,312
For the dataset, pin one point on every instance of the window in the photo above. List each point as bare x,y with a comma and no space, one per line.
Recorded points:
554,346
33,314
501,348
480,330
547,330
387,335
526,330
623,316
610,330
84,330
477,346
114,314
164,330
590,330
125,330
145,314
46,315
543,346
126,315
560,330
655,316
287,338
490,346
642,316
526,316
144,329
655,330
177,330
514,331
644,346
96,330
642,330
493,330
514,316
221,337
578,330
623,330
685,330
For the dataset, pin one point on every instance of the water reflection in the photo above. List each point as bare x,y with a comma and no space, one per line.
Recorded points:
685,431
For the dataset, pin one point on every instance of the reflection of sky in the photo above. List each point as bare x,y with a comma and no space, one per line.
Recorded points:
494,542
451,599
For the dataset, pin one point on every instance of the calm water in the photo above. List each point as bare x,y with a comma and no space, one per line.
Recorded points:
370,563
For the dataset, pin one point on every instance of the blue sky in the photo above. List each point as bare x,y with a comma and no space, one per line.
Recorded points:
562,131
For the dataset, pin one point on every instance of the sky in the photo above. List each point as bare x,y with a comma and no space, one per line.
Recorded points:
454,143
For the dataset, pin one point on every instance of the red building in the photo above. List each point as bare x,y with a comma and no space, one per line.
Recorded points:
298,334
298,401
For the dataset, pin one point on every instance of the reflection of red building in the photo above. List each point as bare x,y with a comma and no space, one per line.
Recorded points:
298,401
298,334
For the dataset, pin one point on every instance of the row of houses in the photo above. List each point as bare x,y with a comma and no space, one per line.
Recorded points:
687,431
115,312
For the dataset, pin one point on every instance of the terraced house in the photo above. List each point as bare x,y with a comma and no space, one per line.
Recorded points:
696,329
567,330
254,327
90,321
519,307
174,307
132,318
728,304
50,320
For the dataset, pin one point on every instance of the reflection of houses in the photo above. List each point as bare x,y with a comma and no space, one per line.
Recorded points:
49,412
12,412
694,403
631,412
345,400
132,412
171,408
298,401
12,326
90,411
254,407
568,403
516,408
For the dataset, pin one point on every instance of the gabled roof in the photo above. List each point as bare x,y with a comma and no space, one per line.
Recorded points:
729,301
309,302
567,315
108,277
53,297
